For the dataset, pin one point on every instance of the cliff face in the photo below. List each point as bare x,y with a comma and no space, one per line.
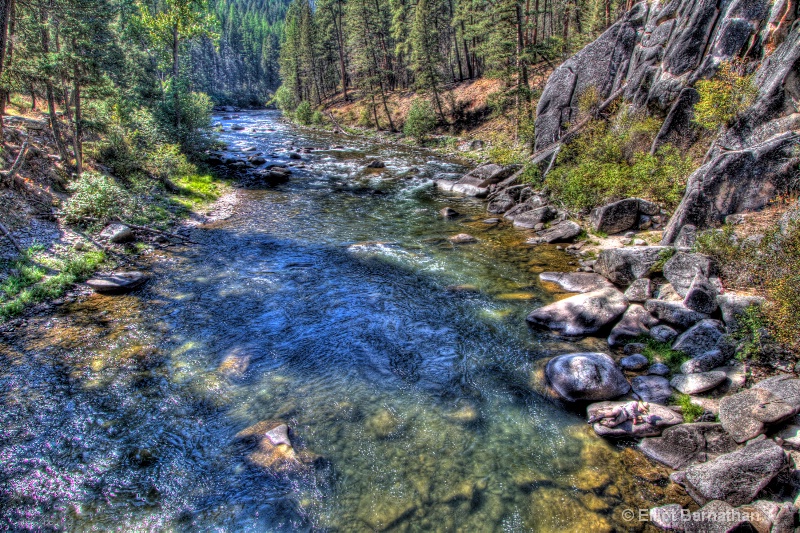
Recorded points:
655,55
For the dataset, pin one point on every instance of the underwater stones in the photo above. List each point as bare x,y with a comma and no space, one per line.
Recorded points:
385,512
117,233
383,424
584,314
273,448
686,444
448,213
466,414
747,414
698,382
117,283
650,422
735,478
463,238
622,266
553,509
586,376
653,389
581,282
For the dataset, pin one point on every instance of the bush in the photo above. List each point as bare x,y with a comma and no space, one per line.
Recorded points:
724,97
421,120
317,118
612,161
96,196
195,118
304,114
284,99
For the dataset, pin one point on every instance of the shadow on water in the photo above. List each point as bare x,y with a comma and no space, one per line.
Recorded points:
403,360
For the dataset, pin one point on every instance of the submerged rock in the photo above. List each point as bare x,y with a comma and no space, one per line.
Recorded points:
448,213
273,448
463,238
581,315
581,282
586,376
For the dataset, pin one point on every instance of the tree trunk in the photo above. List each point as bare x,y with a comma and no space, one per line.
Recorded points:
77,140
175,71
6,8
50,93
340,39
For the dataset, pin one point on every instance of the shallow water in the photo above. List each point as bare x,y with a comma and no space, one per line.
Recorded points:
336,304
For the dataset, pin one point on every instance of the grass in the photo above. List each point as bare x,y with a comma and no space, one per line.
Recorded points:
691,412
662,352
36,277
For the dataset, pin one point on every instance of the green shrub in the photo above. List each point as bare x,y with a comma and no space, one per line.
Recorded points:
284,99
497,103
420,121
304,114
317,118
690,411
612,161
195,119
662,352
724,97
96,196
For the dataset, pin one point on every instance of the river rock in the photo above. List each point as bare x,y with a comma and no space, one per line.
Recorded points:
783,386
448,213
564,231
622,266
699,382
687,237
653,389
747,414
634,362
257,160
617,217
718,517
117,233
273,450
374,164
477,182
700,338
668,517
674,313
733,306
639,291
117,283
581,282
735,477
682,268
687,444
663,333
658,369
634,323
581,315
705,362
530,219
586,376
667,293
652,423
701,296
237,127
463,238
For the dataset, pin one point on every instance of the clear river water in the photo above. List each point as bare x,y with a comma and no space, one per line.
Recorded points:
336,304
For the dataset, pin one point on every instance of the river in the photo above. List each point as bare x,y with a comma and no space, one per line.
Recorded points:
335,303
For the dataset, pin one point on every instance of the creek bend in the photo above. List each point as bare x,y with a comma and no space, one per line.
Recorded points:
335,303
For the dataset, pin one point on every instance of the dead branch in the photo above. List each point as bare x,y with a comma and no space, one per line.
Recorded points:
156,231
8,235
9,175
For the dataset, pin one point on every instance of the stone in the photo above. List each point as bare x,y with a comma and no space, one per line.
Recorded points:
237,127
667,293
477,182
747,414
564,231
682,268
376,163
653,421
701,296
639,291
658,369
581,315
586,377
653,389
616,217
554,509
634,347
448,213
622,266
734,306
674,313
530,219
491,221
257,160
635,322
117,283
717,517
383,424
705,362
117,233
463,238
687,237
688,444
581,282
784,386
700,338
699,382
647,208
789,436
634,362
274,449
663,333
736,477
669,517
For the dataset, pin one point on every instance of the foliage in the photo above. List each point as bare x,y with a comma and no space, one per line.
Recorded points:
96,196
194,110
303,114
690,411
661,352
663,256
724,97
751,333
421,120
612,161
285,100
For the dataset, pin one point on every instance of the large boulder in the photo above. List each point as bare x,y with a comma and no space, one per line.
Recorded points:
534,217
682,268
674,313
701,296
748,414
653,389
700,338
564,231
576,281
617,217
735,477
581,315
687,444
698,382
624,265
634,323
477,182
703,363
652,421
586,376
